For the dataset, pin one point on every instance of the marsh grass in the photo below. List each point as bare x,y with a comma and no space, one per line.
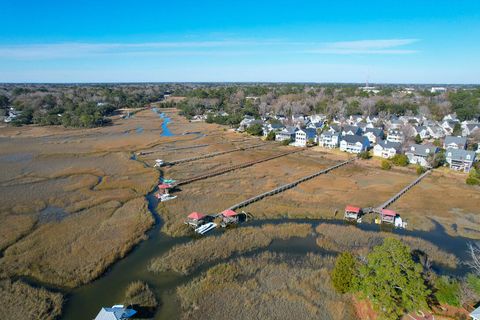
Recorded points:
21,301
186,257
266,286
141,298
349,238
79,248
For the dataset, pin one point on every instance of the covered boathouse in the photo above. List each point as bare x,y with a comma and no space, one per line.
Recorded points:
195,219
352,212
388,216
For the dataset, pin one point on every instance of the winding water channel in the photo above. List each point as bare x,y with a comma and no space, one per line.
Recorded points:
86,301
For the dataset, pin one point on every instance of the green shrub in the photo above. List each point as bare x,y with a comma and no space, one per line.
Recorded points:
473,282
386,165
473,177
419,169
271,136
286,142
400,160
447,291
345,273
364,155
255,129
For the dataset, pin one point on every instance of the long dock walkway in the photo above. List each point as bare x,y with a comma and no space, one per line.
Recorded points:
210,155
235,167
288,185
401,193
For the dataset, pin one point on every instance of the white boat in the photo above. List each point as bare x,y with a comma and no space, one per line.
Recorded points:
165,197
206,228
158,163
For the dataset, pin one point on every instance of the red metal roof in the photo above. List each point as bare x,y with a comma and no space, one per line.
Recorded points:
229,213
352,209
387,212
196,216
165,186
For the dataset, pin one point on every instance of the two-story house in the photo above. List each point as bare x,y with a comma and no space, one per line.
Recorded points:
374,134
304,135
460,159
287,133
329,140
386,149
453,142
354,143
395,136
419,153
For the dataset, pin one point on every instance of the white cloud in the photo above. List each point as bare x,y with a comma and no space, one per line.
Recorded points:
382,46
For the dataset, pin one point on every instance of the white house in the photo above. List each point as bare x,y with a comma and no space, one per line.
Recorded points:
373,134
453,142
386,149
287,133
329,140
302,136
351,130
470,128
419,153
395,136
460,159
117,312
449,125
438,90
354,143
422,132
435,131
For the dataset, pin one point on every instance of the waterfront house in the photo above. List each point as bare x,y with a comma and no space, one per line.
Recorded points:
386,149
352,212
419,153
303,136
117,312
460,159
329,140
269,127
374,134
354,143
453,142
287,133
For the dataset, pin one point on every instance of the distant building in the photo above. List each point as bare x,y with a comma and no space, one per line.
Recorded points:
354,143
438,89
117,312
369,89
395,136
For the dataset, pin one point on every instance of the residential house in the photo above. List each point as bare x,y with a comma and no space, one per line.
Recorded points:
475,314
435,131
386,149
247,122
269,127
354,143
334,128
469,128
287,133
421,131
117,312
354,120
449,125
329,140
419,153
374,134
395,124
351,130
460,159
395,136
453,142
302,136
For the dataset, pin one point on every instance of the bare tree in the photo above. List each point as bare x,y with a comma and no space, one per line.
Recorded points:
474,252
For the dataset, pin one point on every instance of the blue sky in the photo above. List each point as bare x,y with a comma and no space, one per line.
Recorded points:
305,41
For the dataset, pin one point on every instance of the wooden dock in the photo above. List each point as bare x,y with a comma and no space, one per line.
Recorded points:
288,186
401,193
210,155
235,167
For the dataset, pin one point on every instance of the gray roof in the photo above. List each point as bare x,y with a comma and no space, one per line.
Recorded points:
460,154
388,145
421,149
115,313
354,139
352,128
376,131
289,130
330,134
475,313
461,141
